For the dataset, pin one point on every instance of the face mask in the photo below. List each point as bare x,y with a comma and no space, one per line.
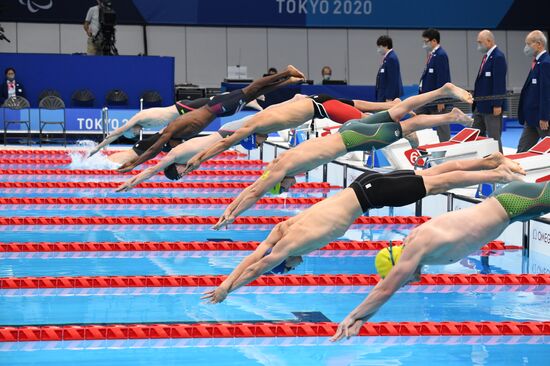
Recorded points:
427,46
326,77
10,79
381,51
529,51
482,48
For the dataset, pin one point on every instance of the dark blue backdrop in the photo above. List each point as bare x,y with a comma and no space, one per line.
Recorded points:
67,73
504,14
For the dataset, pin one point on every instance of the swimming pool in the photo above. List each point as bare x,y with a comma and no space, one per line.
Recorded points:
103,293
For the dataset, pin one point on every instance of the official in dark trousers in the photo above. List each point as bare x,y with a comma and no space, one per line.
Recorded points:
534,101
11,87
435,75
388,80
490,80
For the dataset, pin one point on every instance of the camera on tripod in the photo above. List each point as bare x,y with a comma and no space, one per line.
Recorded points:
105,38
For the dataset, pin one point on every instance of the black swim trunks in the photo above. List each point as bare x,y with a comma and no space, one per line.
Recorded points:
142,146
395,189
227,104
185,106
320,110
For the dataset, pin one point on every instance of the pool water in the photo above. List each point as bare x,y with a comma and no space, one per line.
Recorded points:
136,305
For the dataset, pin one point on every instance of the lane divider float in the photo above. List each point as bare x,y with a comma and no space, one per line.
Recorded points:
263,330
149,246
191,220
14,283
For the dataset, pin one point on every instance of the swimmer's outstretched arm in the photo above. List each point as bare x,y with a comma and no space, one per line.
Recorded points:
249,196
243,132
169,159
249,274
180,154
220,293
163,115
110,139
153,151
382,292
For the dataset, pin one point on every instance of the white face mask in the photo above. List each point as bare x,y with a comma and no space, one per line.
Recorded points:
381,51
326,77
529,51
481,48
427,46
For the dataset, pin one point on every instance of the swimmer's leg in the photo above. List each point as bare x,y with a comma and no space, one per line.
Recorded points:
448,90
524,201
489,162
269,83
424,121
436,184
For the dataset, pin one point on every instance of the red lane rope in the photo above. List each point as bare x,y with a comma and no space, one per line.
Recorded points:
66,161
193,220
14,283
106,152
185,185
38,172
146,246
263,330
151,201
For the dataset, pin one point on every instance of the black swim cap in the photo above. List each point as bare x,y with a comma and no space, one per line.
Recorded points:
171,172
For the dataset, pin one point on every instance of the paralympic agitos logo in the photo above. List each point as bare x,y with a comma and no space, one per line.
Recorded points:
36,5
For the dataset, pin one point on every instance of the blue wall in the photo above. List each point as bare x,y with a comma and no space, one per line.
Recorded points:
100,74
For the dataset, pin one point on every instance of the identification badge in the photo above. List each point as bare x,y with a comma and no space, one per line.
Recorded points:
488,74
533,81
381,71
431,71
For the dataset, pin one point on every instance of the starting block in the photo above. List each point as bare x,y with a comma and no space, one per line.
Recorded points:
536,161
467,144
401,156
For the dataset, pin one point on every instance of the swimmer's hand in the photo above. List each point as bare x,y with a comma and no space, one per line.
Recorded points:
92,152
192,165
126,186
347,328
215,296
126,167
225,220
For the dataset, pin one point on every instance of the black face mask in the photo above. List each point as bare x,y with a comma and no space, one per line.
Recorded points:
171,172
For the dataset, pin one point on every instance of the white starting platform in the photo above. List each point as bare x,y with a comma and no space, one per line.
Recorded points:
536,161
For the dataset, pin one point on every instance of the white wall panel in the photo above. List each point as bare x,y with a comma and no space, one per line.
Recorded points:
73,38
38,38
364,61
327,47
129,39
206,56
169,41
454,42
287,46
10,30
248,47
412,58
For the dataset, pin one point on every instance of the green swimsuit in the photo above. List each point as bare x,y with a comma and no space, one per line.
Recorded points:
524,201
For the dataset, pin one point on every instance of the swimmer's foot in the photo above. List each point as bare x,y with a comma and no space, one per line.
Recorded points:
500,159
459,116
506,175
413,139
295,72
454,91
296,80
